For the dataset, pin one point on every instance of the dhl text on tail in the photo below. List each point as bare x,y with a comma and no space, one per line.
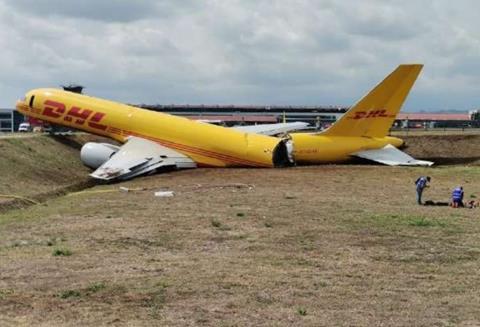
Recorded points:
152,140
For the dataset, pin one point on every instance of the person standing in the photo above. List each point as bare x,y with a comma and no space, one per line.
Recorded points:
457,197
421,183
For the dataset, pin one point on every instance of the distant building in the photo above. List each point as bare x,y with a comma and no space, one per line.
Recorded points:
230,114
10,119
436,120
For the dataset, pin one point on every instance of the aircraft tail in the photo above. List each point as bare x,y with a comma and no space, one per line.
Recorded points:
375,113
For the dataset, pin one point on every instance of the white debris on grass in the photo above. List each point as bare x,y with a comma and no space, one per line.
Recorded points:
165,194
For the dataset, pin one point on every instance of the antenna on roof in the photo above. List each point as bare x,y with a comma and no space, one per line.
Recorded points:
75,88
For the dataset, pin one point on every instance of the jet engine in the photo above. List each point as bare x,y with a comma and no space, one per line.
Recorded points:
94,155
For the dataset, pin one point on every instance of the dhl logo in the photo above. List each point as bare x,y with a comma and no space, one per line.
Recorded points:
75,115
371,114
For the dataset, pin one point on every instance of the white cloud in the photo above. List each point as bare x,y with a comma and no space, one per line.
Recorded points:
244,52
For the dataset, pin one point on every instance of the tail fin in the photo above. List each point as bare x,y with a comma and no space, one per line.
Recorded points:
375,113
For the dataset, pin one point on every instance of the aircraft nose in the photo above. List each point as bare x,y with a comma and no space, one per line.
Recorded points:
27,103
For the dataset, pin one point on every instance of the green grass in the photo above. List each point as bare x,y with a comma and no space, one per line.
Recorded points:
90,290
215,223
64,252
302,311
157,299
400,221
423,222
96,287
4,293
69,294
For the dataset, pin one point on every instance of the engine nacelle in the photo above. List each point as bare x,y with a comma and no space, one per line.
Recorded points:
94,155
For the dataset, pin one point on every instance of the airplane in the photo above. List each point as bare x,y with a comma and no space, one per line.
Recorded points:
153,140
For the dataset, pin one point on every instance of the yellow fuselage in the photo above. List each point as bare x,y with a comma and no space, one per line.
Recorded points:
206,144
317,148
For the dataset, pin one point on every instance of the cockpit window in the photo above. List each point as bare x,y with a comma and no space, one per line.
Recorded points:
31,101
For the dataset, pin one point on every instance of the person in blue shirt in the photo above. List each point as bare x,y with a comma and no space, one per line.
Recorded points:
420,184
457,197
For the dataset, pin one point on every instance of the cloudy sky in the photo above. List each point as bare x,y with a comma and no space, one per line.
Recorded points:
284,52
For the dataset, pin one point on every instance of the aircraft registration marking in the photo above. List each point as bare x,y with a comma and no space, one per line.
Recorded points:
306,151
371,114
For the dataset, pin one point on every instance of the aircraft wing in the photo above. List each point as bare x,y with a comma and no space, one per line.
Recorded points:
391,156
272,129
139,156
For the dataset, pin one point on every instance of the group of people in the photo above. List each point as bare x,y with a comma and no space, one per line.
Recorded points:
457,194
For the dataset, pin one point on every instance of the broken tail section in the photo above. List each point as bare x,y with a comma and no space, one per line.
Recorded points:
375,113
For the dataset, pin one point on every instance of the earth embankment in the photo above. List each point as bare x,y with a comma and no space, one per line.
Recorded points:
445,149
37,167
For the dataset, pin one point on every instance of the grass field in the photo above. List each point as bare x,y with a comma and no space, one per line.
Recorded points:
308,246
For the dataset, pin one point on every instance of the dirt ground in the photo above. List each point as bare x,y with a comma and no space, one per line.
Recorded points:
307,246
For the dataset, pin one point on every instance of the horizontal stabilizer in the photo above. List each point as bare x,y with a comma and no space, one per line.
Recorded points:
139,156
391,156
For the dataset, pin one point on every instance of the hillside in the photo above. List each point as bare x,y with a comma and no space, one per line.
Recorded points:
40,166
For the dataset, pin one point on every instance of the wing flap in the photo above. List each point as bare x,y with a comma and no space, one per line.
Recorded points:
140,156
391,156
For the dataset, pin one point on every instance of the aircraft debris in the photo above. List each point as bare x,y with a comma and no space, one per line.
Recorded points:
129,189
164,194
222,186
